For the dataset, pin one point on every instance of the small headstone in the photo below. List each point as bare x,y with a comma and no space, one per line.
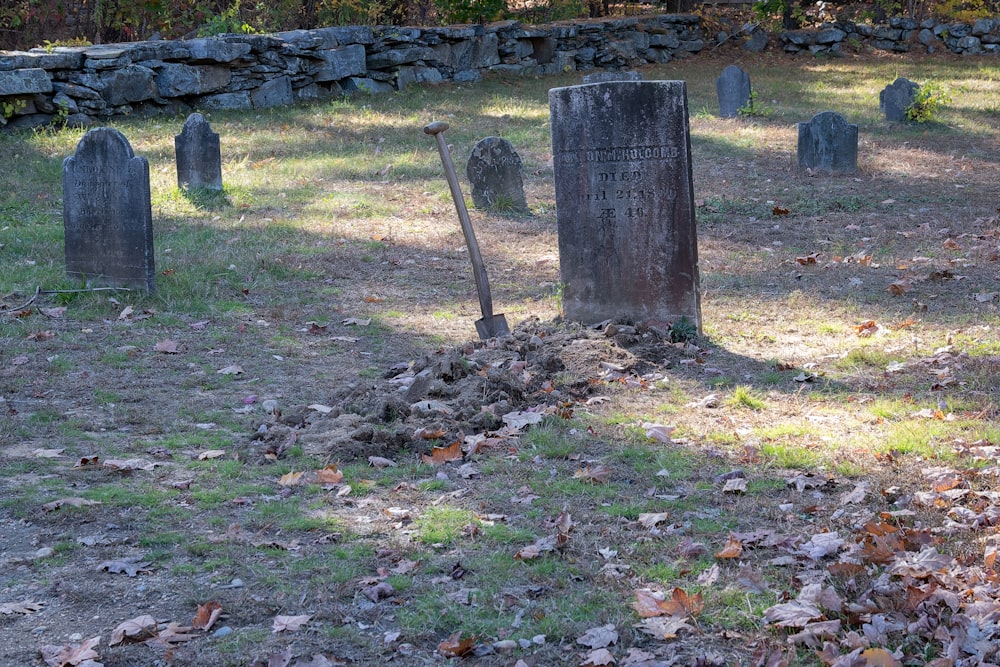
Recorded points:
611,75
107,214
199,157
494,170
758,40
896,98
733,88
828,143
625,202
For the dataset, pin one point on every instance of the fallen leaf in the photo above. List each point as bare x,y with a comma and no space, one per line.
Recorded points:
168,347
316,329
732,549
522,418
128,465
71,502
439,455
71,654
48,453
136,629
54,313
289,623
207,615
211,454
381,462
233,369
879,657
650,519
597,474
597,658
131,567
455,646
329,475
432,433
87,462
600,637
737,485
26,607
356,322
808,259
290,478
898,287
174,633
658,432
663,627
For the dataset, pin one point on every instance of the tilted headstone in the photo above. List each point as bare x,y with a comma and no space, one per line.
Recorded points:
733,88
199,156
611,75
896,98
494,170
828,143
625,202
107,214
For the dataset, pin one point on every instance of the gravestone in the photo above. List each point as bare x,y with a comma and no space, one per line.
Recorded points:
625,202
611,75
896,98
494,170
199,157
733,88
107,215
829,144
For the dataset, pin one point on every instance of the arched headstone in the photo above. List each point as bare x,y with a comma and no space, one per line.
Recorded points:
199,156
896,98
733,88
107,214
494,171
829,144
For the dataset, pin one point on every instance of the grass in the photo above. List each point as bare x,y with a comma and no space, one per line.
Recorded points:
312,228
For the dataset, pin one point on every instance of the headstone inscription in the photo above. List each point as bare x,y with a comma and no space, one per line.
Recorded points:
107,215
625,202
494,171
612,75
733,88
828,143
896,98
199,156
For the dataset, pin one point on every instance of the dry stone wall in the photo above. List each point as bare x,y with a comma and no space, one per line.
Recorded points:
84,85
81,86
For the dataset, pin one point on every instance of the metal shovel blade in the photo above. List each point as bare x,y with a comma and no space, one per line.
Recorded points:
491,327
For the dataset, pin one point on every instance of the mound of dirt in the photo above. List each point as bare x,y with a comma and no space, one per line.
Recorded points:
474,391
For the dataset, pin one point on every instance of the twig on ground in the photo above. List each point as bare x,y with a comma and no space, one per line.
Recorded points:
26,303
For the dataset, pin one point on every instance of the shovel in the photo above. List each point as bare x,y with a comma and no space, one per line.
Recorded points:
490,326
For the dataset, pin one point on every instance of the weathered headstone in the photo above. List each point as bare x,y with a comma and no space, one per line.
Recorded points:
896,98
828,143
199,157
494,171
625,202
608,76
107,215
733,88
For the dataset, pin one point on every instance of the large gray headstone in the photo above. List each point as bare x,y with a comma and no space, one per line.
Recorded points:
828,143
625,202
107,214
199,156
494,171
733,88
896,98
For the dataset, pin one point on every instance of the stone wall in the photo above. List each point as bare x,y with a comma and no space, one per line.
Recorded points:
900,35
83,85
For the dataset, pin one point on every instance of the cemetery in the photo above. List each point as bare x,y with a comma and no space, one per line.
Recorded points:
588,353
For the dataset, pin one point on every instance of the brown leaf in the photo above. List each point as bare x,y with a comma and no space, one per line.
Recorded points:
131,567
71,654
663,627
87,462
135,629
168,347
879,657
732,549
174,633
316,329
289,623
779,211
795,614
71,502
439,455
599,637
597,474
41,335
329,475
290,478
381,462
650,519
455,646
898,287
431,433
206,615
211,454
808,259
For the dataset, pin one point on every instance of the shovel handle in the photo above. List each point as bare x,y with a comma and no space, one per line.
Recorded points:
436,129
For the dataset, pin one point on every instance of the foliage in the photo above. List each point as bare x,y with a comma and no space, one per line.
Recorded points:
10,107
229,21
469,11
928,99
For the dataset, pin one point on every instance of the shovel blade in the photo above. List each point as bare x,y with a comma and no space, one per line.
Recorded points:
491,327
